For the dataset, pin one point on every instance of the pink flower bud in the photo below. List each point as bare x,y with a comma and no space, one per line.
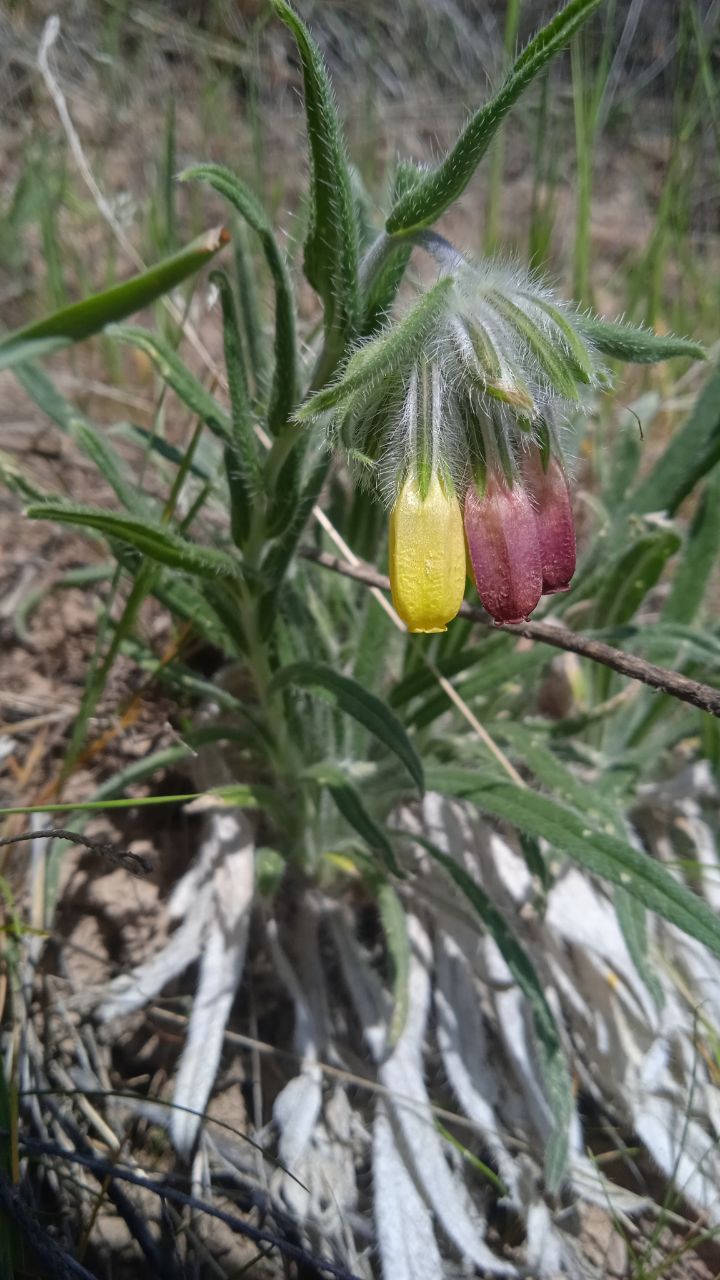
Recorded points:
502,540
553,513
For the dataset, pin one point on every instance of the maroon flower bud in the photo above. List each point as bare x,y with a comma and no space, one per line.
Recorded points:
502,540
555,524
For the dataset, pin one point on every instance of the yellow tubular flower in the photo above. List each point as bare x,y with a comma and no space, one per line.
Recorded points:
427,556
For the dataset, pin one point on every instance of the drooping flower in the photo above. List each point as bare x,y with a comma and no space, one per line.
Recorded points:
459,407
548,488
426,551
504,548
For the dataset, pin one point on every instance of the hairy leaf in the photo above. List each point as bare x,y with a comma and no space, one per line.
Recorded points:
173,370
283,395
634,345
437,190
153,540
331,248
374,360
603,855
356,702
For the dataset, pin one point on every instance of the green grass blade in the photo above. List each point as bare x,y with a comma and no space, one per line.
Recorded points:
632,919
435,192
19,352
46,396
331,247
82,319
356,702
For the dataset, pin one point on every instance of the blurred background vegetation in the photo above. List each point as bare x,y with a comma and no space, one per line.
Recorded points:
608,173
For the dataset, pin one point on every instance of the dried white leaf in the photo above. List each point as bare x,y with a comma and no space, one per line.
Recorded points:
132,990
466,1054
221,966
406,1240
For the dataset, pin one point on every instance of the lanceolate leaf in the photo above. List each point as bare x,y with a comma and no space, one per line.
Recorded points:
355,701
350,804
555,1073
19,352
633,574
377,358
690,454
283,396
394,923
82,319
604,855
242,464
437,190
637,346
700,555
154,541
331,248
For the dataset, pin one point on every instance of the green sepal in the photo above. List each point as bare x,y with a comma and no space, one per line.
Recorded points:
634,345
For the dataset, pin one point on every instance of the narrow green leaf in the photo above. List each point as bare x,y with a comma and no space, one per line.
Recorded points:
356,702
250,313
556,777
552,1060
604,855
559,367
692,574
635,345
153,540
349,803
394,923
21,351
331,248
375,359
277,560
632,919
576,348
283,396
173,371
688,456
242,465
386,261
82,319
151,441
437,190
628,580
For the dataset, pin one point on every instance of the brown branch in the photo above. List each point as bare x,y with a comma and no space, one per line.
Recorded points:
132,862
703,696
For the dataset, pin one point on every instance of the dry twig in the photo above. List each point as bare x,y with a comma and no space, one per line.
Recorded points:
703,696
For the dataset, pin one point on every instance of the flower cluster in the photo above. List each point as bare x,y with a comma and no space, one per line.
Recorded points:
454,416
